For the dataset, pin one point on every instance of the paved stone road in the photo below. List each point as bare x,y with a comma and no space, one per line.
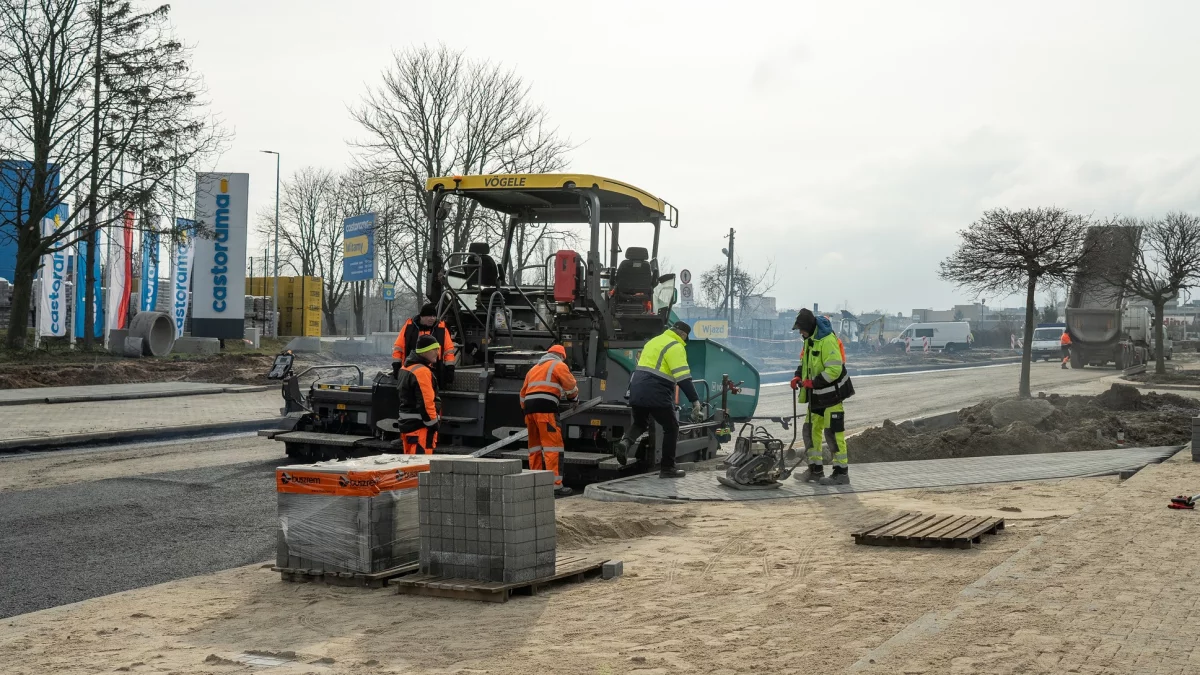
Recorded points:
703,485
1110,590
56,419
108,392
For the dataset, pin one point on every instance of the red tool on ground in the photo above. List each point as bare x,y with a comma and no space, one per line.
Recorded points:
1183,502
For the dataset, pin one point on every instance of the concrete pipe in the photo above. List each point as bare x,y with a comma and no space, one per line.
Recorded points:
156,330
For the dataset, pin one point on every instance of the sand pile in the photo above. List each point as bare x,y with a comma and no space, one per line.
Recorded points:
1051,424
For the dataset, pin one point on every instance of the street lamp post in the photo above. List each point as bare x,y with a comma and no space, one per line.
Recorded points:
275,304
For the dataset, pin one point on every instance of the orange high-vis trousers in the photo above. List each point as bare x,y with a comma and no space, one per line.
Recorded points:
545,443
419,442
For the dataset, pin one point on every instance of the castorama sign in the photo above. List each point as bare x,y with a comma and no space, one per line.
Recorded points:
52,309
219,284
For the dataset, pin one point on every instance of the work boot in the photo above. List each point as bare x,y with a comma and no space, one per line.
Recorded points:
671,472
812,474
563,491
1064,365
841,476
623,451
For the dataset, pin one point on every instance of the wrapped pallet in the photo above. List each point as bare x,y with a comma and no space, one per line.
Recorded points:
357,516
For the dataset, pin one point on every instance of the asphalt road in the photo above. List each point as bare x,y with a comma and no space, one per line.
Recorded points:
83,523
79,541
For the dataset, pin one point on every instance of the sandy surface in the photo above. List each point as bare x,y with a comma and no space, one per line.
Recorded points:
1110,590
721,588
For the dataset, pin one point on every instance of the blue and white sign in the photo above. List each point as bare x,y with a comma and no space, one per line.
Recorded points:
149,268
52,310
219,286
81,249
181,276
358,248
389,291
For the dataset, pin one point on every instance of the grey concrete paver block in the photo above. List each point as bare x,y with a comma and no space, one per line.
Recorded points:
703,486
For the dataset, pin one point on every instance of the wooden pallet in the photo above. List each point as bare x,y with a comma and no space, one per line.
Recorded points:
360,580
928,530
566,568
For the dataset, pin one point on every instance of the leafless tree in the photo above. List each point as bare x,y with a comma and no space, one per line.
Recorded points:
1167,262
310,233
436,113
1009,251
66,66
744,284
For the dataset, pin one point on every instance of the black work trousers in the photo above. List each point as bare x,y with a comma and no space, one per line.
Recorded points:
665,417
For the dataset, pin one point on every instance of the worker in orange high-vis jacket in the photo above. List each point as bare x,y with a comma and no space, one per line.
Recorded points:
420,407
546,385
426,323
1065,342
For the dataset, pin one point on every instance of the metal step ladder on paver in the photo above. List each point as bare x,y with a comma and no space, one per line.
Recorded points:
876,476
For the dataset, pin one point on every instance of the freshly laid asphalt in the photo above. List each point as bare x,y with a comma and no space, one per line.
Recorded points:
70,543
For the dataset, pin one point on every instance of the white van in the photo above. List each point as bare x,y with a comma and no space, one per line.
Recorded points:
1047,342
943,335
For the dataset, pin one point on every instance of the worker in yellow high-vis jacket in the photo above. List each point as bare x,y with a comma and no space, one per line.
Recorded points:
821,382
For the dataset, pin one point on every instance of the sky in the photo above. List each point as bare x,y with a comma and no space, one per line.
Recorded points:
846,143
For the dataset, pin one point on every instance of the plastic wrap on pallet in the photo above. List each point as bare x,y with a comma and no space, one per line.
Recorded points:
358,516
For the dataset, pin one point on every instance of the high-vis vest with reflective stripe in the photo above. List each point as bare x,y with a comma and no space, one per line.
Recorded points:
666,357
823,362
546,384
418,397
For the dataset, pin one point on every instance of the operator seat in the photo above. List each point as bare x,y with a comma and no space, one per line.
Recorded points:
482,270
635,276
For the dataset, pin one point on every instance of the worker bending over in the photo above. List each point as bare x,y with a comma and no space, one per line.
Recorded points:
662,367
546,385
1065,342
426,323
420,407
823,384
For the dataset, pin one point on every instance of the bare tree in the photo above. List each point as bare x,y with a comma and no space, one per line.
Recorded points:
64,67
436,113
1167,262
744,284
1012,251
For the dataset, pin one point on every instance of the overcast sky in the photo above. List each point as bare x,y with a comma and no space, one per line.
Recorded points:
845,144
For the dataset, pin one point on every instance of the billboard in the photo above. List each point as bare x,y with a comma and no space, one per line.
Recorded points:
358,248
219,285
711,329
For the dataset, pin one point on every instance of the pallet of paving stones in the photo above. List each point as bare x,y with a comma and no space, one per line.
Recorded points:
355,579
929,530
566,568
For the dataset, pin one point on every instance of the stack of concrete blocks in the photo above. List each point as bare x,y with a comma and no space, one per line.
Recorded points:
486,519
260,313
356,516
1196,439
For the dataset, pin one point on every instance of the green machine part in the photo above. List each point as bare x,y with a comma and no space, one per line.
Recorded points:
708,361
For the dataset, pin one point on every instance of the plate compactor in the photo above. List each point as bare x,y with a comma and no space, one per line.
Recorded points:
758,461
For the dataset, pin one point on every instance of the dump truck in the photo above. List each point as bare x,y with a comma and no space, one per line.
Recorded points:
1104,328
600,305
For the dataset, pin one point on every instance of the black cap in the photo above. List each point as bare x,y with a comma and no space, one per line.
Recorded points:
428,309
682,327
806,321
425,342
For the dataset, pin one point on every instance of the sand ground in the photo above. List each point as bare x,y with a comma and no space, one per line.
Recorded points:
712,588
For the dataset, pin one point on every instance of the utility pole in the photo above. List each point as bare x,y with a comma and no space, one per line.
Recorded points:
729,279
278,313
